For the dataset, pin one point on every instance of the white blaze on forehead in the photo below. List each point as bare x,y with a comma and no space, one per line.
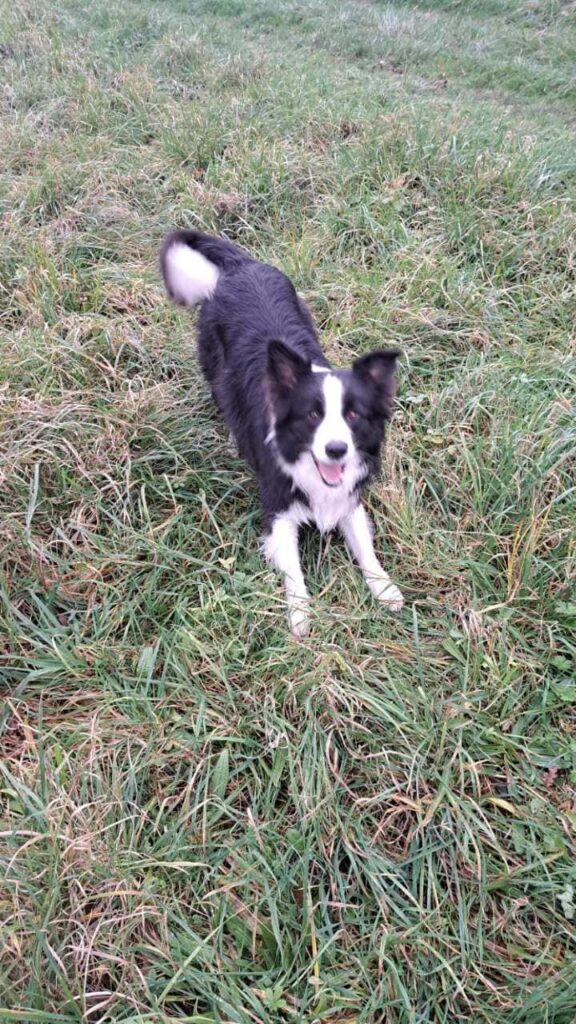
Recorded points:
333,427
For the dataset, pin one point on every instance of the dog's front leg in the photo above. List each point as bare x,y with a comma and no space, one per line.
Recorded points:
358,536
281,549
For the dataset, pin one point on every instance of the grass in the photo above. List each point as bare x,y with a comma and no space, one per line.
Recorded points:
201,820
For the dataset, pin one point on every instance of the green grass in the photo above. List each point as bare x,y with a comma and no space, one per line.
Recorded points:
200,819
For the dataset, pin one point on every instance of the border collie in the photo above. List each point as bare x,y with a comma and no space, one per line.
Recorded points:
311,433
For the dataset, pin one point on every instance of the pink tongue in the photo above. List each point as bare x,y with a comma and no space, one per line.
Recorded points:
330,472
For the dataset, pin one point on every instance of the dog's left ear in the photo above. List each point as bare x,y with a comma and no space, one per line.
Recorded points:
379,369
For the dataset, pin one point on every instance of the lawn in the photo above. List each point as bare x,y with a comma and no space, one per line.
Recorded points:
202,819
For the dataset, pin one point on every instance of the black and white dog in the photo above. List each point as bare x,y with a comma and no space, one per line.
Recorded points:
311,433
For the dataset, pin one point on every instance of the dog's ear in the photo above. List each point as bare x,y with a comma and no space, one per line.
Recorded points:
285,369
379,370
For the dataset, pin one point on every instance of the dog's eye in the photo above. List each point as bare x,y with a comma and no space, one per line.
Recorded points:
351,416
314,416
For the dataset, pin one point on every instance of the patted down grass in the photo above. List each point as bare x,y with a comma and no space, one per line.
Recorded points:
200,819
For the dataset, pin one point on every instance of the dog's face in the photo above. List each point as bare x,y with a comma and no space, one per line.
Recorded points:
336,417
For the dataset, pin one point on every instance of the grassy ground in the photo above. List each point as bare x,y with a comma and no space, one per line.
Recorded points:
202,820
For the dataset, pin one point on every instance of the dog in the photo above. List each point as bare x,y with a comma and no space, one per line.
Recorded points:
311,433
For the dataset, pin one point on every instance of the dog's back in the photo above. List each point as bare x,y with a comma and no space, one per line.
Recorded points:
245,305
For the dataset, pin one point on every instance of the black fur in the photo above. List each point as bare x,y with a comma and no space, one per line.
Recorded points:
257,342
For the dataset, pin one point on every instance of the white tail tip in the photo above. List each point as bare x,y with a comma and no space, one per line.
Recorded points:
190,277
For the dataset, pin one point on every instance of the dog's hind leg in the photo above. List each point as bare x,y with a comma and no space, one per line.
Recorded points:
280,546
357,533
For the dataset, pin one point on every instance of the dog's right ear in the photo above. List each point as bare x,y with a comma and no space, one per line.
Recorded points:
285,369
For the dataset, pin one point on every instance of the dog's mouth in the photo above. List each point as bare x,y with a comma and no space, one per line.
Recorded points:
331,472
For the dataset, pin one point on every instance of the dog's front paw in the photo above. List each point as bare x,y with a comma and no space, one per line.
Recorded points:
387,593
299,618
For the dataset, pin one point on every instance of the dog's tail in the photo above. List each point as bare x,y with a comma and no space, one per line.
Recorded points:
191,263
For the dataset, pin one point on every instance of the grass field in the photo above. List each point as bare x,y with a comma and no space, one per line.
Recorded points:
200,819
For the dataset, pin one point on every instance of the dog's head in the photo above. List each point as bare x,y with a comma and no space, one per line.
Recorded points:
336,417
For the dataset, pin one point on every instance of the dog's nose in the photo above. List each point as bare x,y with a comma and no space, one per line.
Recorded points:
336,449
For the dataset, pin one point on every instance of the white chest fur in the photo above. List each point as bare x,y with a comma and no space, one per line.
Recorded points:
327,505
